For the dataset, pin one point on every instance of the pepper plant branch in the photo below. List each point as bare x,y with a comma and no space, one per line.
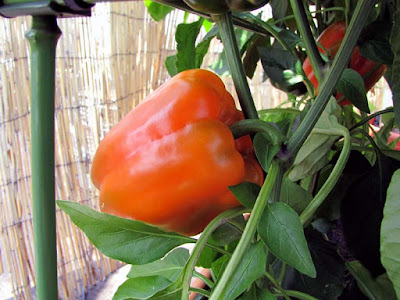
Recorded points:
201,243
226,30
249,126
205,279
330,183
308,39
277,285
236,20
371,116
261,202
297,295
328,85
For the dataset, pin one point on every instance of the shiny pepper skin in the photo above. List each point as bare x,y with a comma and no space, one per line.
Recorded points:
169,162
223,6
330,39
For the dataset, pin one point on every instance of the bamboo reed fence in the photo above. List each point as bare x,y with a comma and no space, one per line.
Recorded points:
106,65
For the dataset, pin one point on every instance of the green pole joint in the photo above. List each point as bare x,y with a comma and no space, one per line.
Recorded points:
43,37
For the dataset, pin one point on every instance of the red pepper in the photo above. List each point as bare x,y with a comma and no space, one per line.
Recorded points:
330,39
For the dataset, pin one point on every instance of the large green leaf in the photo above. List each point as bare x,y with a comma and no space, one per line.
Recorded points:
251,267
281,230
133,242
380,288
390,232
314,154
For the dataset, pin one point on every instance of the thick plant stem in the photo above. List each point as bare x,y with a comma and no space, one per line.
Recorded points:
225,26
360,15
251,126
333,178
261,202
43,37
201,243
308,39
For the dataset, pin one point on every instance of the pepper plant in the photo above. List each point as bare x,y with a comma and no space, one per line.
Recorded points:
300,201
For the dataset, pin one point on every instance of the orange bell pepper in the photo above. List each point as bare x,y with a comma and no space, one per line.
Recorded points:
169,161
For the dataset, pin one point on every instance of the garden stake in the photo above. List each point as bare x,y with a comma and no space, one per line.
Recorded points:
43,37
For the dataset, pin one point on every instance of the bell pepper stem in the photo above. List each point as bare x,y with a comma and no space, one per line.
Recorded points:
341,59
251,126
308,39
261,202
333,178
201,243
225,26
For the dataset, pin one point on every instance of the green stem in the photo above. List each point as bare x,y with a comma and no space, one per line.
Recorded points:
225,26
202,242
297,294
277,285
250,126
318,11
43,37
205,279
333,178
360,15
371,116
320,21
200,291
248,233
308,39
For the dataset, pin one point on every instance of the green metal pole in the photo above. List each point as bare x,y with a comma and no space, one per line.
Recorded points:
43,37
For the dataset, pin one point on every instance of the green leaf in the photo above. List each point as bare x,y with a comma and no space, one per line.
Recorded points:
201,50
330,280
351,85
390,232
169,267
314,154
157,11
170,64
395,69
116,237
255,293
251,58
230,231
219,266
246,193
251,267
281,66
264,150
141,288
294,195
374,41
279,8
379,288
281,230
207,256
185,36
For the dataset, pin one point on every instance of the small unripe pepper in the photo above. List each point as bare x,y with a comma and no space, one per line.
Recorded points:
169,162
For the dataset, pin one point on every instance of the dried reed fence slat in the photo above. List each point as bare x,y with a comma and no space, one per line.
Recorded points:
106,65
